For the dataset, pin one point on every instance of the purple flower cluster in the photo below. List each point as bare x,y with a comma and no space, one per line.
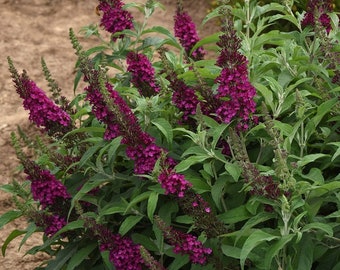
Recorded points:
124,254
141,147
145,157
185,30
43,111
115,19
101,110
53,224
199,202
45,187
173,183
143,74
184,243
188,244
184,97
50,222
265,186
261,185
318,10
235,93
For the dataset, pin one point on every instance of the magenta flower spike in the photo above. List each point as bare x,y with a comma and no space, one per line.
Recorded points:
101,110
173,183
184,98
235,92
115,19
238,93
185,31
145,157
318,10
43,111
123,252
142,73
184,243
52,224
45,187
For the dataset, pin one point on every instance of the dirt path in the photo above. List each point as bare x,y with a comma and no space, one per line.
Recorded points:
31,29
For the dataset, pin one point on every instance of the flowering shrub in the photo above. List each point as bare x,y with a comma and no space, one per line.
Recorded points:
188,158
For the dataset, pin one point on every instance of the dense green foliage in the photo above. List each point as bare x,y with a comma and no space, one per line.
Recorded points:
271,202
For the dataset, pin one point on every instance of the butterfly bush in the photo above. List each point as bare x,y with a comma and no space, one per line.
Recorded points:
45,187
317,10
165,160
123,253
235,91
114,18
143,74
185,30
42,110
184,243
52,224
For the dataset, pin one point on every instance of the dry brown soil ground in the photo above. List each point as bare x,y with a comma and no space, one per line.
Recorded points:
31,29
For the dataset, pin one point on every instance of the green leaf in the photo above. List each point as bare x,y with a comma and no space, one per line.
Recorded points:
77,224
184,219
152,204
289,18
318,226
275,248
212,39
9,216
323,109
179,262
335,214
90,152
91,129
152,42
31,228
63,255
106,259
231,251
145,241
159,29
14,234
77,78
217,133
257,219
337,153
128,223
304,256
139,198
215,13
96,49
310,158
284,128
164,126
266,94
325,188
234,170
187,163
235,215
197,184
255,239
110,210
114,145
315,175
217,191
80,256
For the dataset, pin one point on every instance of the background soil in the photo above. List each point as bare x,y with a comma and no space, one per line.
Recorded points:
31,29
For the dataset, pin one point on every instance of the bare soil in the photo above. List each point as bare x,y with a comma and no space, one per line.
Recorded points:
31,29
